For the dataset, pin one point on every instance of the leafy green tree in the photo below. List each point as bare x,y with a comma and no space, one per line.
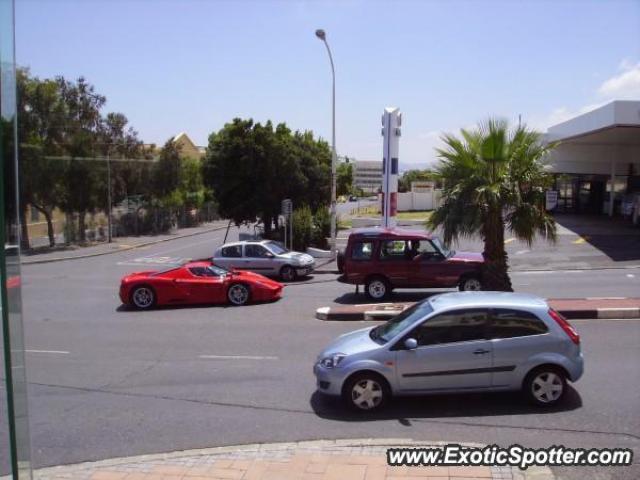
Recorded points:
81,131
494,178
252,167
344,178
414,175
42,115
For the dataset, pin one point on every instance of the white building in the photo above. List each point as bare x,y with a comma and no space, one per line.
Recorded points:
598,151
367,175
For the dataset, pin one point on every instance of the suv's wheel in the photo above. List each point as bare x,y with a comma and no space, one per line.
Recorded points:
143,297
238,294
545,386
288,273
366,392
470,283
377,288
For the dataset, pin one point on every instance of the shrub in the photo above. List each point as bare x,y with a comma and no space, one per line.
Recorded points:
302,228
321,227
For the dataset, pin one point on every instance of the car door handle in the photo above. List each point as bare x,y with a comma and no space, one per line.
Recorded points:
480,351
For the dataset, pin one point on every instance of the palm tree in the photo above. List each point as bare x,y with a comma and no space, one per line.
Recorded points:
494,178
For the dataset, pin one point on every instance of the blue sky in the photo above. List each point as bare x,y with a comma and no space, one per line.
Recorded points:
193,65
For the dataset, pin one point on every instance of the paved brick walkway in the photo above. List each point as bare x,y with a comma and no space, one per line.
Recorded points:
315,460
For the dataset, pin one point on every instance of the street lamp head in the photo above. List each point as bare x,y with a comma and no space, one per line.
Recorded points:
320,34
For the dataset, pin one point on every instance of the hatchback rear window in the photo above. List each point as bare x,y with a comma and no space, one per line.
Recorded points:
508,323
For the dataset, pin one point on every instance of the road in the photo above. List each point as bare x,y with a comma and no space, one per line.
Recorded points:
107,382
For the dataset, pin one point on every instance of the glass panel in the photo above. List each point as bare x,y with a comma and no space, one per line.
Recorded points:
14,428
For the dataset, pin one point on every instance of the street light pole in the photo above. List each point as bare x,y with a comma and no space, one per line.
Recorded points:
332,244
109,239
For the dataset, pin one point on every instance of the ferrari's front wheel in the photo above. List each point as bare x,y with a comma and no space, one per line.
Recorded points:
238,294
143,297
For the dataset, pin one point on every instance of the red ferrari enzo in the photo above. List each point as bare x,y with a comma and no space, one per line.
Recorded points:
196,283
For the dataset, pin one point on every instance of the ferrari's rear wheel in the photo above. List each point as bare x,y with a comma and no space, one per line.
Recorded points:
238,294
143,297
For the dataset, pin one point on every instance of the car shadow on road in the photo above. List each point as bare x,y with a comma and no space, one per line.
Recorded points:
128,308
411,296
443,406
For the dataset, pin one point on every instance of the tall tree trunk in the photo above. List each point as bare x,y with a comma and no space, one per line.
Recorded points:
82,237
24,229
50,232
266,221
495,276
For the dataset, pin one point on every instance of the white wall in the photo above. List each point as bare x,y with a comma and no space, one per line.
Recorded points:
419,201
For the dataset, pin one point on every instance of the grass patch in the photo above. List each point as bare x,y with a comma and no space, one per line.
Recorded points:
417,215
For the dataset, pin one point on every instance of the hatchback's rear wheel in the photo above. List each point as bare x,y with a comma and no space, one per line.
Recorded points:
545,386
377,288
366,392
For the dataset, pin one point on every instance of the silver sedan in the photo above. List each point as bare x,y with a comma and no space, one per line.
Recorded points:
265,257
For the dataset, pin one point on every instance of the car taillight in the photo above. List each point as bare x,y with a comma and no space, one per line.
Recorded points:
565,325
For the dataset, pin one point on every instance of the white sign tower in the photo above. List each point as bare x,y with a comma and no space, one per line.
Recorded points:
391,122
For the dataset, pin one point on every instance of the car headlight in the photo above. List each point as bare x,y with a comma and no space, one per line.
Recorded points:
332,361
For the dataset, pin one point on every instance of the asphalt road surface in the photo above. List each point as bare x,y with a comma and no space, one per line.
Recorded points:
105,381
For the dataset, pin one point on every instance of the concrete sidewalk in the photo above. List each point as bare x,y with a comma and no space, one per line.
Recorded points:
314,460
572,308
119,244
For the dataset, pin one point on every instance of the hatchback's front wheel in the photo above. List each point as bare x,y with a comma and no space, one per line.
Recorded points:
366,392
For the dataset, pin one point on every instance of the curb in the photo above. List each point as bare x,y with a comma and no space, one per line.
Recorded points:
386,311
260,449
132,247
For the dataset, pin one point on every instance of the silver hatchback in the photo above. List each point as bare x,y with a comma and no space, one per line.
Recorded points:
456,342
265,257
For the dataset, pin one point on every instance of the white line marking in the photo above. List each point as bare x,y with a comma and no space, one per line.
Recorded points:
520,252
630,275
61,352
237,357
606,298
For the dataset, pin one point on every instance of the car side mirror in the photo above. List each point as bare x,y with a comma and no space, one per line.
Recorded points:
411,343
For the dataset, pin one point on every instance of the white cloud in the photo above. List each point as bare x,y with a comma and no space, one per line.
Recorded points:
625,85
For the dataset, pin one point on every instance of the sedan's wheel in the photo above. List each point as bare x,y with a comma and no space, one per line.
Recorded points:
377,288
470,284
545,386
288,273
143,297
366,392
238,294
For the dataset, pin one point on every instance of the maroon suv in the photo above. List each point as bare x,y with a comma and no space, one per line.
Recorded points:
384,259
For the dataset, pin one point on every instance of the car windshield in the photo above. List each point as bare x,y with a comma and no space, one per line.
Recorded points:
276,248
438,243
218,271
385,332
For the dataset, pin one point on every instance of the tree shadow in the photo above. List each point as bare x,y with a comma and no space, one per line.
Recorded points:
442,406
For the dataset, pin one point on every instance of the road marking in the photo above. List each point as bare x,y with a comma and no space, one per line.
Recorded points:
606,298
630,275
237,357
509,240
60,352
520,252
153,260
581,240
